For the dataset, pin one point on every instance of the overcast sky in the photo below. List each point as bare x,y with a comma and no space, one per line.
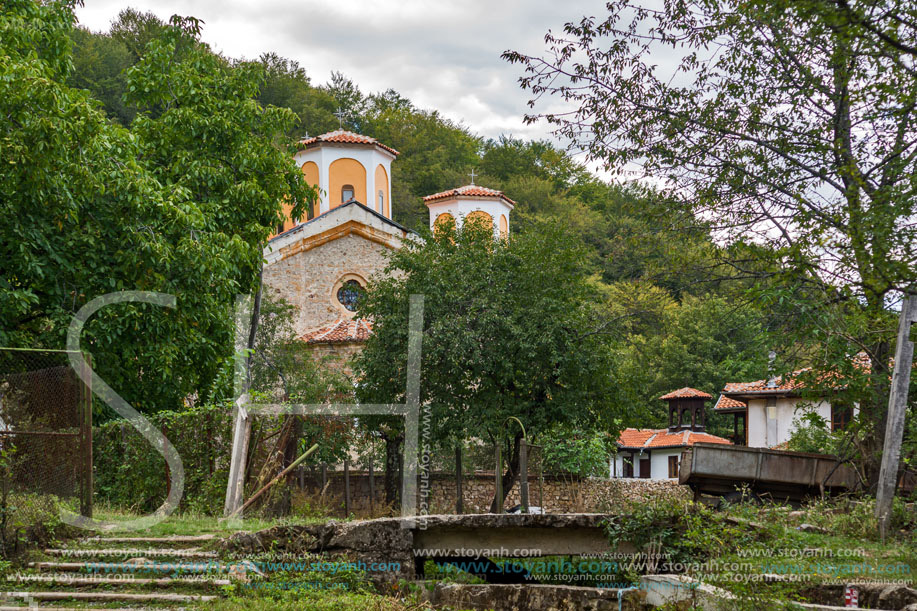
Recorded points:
441,55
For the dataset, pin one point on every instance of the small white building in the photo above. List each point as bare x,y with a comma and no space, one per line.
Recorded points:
766,413
656,453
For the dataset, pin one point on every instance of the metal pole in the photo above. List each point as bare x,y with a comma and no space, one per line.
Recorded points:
458,480
524,475
897,409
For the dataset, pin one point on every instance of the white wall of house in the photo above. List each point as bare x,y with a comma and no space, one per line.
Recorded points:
659,463
783,415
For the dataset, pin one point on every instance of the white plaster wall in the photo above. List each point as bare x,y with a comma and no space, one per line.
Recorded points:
789,410
659,464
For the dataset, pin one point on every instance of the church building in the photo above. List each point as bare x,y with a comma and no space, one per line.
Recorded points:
322,263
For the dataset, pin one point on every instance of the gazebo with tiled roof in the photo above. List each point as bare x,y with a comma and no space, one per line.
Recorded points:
686,401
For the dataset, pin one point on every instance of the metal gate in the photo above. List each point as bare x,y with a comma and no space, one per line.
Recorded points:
45,430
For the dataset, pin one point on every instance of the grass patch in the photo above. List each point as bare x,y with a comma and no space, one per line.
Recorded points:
194,524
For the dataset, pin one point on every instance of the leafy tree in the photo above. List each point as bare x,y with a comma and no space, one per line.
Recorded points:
511,329
99,62
135,30
790,124
702,342
181,204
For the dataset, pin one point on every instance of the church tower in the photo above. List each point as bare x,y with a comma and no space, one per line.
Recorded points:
469,202
346,166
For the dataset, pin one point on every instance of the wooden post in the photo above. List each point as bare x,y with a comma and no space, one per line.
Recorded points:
347,488
897,409
86,438
541,482
524,475
498,479
324,479
372,488
276,479
458,480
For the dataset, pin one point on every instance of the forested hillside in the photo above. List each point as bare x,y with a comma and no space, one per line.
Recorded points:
676,317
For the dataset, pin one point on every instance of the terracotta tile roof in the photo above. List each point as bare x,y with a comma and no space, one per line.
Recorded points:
725,402
780,384
635,438
342,136
686,393
662,438
468,191
794,381
343,330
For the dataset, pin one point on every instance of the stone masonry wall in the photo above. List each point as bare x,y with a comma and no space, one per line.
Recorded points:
308,279
559,494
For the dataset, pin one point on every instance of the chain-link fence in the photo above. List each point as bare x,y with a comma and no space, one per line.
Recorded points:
45,437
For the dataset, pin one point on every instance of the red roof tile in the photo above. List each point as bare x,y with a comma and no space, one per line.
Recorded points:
342,136
343,330
686,393
468,191
725,402
792,382
662,438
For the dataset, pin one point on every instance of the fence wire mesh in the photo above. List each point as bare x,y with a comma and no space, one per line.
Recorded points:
45,437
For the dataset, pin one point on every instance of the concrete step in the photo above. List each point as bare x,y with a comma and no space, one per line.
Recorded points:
184,566
128,580
102,597
191,552
169,539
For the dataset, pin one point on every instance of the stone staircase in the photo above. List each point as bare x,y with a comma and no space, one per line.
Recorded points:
121,573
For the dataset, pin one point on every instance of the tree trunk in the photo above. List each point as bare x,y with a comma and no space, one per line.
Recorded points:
511,474
876,412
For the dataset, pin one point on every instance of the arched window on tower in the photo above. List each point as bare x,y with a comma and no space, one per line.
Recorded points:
346,193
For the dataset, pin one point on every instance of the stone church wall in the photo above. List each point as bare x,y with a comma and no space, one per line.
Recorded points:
309,279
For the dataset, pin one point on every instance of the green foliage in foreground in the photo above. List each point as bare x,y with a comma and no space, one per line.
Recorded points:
512,328
181,202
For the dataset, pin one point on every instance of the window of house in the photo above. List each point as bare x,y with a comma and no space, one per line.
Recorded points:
673,466
349,294
381,201
841,415
346,193
628,467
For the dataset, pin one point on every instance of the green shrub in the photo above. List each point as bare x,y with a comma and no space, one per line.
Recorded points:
130,474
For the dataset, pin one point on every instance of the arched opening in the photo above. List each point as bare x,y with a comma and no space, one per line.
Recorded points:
479,217
381,183
443,222
310,173
504,226
346,181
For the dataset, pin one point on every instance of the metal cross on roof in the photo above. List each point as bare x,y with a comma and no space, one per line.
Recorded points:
473,175
340,114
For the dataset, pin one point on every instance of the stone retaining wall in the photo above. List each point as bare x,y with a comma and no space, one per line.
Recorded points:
556,494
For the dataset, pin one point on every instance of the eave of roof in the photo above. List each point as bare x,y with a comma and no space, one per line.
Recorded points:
352,202
475,191
343,136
